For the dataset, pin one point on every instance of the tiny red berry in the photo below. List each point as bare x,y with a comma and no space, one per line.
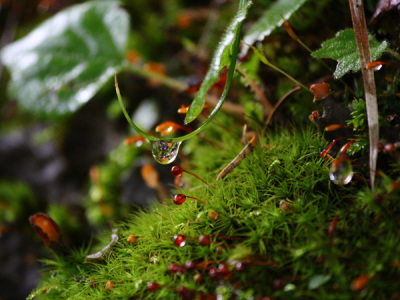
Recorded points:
176,269
223,269
213,273
186,294
176,171
190,265
204,240
179,199
240,266
153,286
179,240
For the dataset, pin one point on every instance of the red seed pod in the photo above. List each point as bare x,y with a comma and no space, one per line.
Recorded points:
190,265
198,278
204,240
174,268
179,199
204,296
279,284
186,294
223,270
213,273
179,240
176,171
153,286
332,225
240,266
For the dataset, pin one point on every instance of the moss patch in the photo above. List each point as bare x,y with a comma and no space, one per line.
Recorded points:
283,230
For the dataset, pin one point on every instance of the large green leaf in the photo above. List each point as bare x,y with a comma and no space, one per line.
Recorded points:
63,63
272,18
343,48
220,59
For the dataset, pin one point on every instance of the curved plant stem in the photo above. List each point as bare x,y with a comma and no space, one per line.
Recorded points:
265,61
361,34
173,84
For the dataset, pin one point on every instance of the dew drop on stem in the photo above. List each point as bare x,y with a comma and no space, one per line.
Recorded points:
165,152
341,171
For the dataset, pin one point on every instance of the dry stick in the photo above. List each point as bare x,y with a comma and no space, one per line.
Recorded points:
242,155
361,34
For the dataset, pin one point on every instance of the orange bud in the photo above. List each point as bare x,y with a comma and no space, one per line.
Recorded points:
132,56
132,239
360,282
290,31
375,65
169,127
138,140
320,90
213,215
333,127
150,176
109,286
46,228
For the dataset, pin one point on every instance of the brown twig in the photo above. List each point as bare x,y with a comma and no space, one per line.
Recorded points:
361,34
277,105
242,155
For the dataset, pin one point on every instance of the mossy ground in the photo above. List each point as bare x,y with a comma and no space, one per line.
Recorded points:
289,253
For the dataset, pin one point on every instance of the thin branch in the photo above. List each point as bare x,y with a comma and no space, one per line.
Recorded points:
361,34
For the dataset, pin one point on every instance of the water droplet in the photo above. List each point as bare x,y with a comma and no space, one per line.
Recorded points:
165,152
341,171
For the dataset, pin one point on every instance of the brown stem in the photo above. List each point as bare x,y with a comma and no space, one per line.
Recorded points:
361,34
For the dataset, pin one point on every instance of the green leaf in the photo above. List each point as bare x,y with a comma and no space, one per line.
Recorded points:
220,60
272,18
343,48
61,65
317,280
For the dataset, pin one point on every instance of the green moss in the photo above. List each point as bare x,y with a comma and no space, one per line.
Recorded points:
289,254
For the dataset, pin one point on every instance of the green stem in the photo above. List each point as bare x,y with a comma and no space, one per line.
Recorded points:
393,53
266,62
164,80
179,86
289,77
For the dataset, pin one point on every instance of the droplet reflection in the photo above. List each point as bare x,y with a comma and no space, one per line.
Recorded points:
165,152
341,171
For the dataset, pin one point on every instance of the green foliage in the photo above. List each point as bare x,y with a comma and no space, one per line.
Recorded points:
16,200
343,48
272,18
358,114
63,63
103,200
222,58
318,280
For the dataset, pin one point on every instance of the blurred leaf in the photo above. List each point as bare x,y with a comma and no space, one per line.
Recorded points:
147,114
272,18
61,65
317,280
220,60
343,48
